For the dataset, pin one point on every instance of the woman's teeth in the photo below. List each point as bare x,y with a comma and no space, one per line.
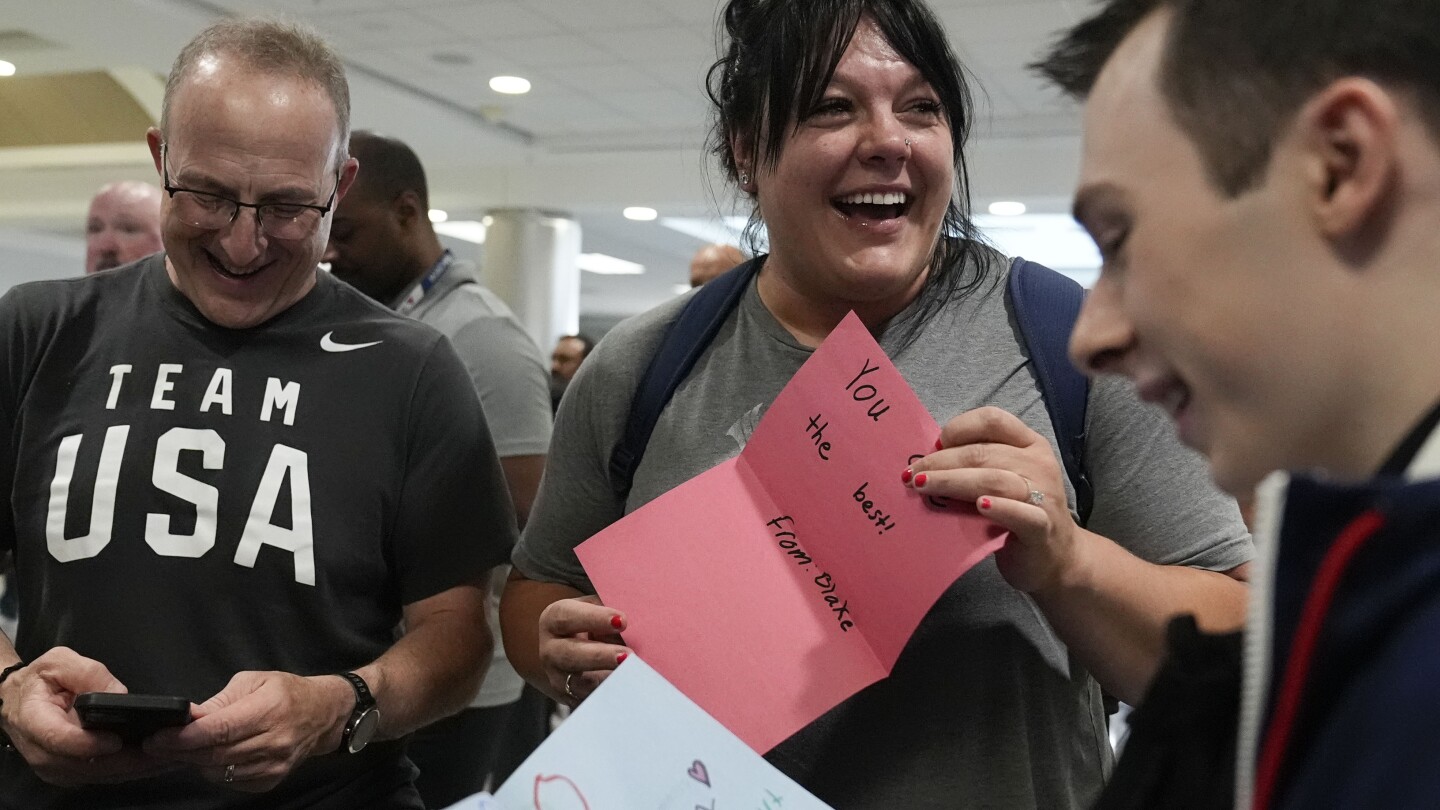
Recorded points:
893,198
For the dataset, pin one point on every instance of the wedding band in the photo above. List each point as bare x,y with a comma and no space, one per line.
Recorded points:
229,774
1036,497
568,690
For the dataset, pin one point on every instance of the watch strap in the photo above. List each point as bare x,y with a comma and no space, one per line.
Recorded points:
5,743
364,704
363,698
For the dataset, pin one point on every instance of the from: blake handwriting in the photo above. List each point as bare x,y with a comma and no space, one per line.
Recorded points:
786,539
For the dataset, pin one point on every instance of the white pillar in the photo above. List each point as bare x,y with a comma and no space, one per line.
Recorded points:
530,262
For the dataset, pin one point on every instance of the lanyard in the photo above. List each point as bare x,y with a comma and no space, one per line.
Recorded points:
442,266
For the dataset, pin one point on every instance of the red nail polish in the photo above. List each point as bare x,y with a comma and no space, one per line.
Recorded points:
938,445
920,480
906,476
984,503
616,622
620,659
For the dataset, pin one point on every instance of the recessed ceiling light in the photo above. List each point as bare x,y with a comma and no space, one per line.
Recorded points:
1007,208
466,229
437,215
640,213
608,265
510,85
730,230
7,68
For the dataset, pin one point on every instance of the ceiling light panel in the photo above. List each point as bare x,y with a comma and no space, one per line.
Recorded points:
608,265
466,229
510,85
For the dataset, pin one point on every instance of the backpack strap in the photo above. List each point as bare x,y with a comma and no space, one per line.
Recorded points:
1046,307
681,346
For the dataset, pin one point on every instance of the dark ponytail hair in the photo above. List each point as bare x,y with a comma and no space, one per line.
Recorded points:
779,56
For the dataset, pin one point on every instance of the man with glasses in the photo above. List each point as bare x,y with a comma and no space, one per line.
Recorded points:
212,212
231,478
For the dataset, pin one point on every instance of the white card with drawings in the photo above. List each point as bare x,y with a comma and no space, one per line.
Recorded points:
638,743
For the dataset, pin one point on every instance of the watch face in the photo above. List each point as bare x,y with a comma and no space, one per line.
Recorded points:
364,731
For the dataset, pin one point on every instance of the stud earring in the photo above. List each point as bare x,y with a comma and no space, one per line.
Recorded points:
744,179
907,141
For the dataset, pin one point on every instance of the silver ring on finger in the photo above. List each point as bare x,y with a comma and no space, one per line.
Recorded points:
229,774
569,691
1035,497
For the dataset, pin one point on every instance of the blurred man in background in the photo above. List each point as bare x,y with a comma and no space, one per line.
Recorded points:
123,225
712,260
570,352
384,245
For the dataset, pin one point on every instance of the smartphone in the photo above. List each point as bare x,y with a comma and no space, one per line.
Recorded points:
133,717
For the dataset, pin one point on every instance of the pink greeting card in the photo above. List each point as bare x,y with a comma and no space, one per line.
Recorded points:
779,583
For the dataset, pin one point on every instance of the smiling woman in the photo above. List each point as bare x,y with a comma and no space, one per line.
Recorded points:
856,153
844,122
854,198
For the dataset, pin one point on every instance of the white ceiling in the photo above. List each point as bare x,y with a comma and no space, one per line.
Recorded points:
616,116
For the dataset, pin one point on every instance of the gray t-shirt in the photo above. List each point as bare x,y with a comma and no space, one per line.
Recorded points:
507,368
513,384
985,708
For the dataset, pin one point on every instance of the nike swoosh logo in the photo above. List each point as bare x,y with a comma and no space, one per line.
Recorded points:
330,345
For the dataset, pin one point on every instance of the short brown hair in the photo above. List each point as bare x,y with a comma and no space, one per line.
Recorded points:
1235,72
272,47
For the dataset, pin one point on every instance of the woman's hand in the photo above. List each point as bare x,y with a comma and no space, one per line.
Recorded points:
1012,475
579,645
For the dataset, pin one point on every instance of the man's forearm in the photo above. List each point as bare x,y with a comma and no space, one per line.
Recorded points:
1113,612
435,669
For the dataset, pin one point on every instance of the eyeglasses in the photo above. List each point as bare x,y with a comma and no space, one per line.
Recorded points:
211,212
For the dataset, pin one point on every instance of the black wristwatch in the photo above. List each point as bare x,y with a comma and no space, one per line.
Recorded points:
364,720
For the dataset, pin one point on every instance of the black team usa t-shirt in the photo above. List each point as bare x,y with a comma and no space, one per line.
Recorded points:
188,501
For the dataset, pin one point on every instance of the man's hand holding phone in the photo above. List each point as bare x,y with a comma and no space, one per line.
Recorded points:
133,717
37,712
262,725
